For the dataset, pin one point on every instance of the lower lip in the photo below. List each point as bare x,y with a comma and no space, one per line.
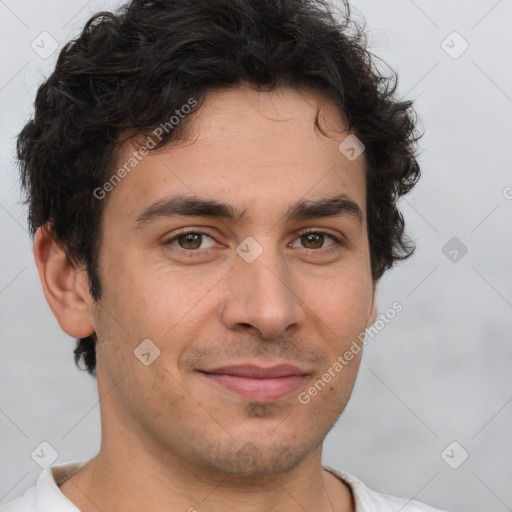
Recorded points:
258,390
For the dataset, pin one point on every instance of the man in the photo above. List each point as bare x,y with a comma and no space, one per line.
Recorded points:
212,189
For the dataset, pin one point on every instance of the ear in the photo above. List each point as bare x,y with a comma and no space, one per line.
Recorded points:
65,285
373,311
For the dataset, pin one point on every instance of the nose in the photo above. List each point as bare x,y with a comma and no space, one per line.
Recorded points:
261,297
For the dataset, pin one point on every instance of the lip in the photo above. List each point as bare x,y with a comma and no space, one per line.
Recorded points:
257,383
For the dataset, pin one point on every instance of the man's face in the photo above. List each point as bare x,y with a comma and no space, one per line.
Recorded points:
222,314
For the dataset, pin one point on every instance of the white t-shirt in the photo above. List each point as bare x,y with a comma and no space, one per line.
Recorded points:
46,496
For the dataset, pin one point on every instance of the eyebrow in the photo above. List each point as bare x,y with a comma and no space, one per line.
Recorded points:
189,206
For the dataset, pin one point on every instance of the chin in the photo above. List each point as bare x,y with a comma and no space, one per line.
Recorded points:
253,459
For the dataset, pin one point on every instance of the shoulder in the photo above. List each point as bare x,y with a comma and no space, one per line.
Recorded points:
46,496
368,500
25,503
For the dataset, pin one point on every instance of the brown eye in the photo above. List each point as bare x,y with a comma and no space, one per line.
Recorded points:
313,240
192,241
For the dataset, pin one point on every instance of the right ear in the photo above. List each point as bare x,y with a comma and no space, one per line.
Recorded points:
65,285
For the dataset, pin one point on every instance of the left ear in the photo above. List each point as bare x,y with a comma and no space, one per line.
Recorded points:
373,311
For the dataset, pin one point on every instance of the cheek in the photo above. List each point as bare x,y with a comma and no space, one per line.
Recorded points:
343,302
160,302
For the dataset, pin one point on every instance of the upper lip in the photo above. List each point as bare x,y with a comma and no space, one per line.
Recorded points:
259,372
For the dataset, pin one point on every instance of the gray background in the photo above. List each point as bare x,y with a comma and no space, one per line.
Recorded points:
438,373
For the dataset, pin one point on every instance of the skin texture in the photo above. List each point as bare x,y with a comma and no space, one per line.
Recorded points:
172,440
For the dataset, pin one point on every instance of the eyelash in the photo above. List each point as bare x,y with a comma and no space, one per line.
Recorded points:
200,252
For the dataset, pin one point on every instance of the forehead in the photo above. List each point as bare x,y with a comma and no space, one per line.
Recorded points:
256,150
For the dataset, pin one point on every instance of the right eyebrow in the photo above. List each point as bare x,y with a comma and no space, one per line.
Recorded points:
188,207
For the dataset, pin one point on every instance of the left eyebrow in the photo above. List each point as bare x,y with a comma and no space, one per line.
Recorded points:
330,207
189,206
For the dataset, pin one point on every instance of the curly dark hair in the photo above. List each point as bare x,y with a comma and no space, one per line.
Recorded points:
132,70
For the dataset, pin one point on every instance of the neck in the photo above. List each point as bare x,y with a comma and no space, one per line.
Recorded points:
133,480
133,472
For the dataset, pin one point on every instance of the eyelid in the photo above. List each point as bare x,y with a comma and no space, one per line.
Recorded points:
338,239
305,231
185,231
201,231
